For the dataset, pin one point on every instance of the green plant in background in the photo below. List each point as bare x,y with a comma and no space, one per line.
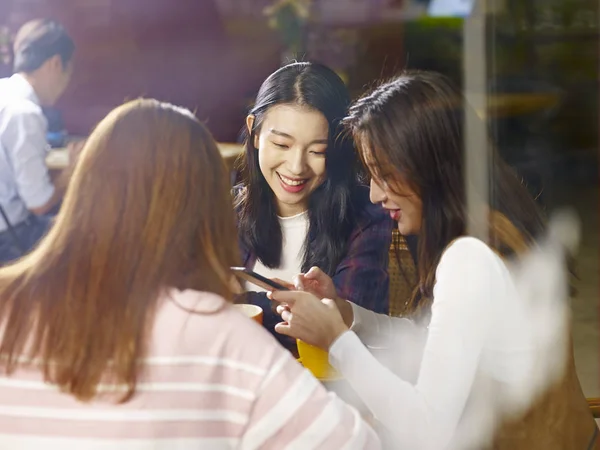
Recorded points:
435,43
289,17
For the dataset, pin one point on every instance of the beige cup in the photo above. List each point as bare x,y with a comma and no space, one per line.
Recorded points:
251,311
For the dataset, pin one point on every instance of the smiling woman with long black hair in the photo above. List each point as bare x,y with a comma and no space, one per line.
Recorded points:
300,203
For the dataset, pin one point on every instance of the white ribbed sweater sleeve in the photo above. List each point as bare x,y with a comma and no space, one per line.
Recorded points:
425,415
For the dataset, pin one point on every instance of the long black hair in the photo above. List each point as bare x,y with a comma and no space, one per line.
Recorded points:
412,129
331,212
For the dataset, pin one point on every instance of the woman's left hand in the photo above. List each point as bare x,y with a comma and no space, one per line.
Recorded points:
316,322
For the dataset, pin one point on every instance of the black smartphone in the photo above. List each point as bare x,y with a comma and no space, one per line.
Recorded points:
257,279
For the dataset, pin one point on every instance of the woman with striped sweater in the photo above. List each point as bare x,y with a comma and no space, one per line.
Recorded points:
117,330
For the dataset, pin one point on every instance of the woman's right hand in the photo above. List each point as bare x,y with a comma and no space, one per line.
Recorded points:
317,283
315,321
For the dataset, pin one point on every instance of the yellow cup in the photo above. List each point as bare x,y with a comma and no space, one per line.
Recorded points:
316,360
251,311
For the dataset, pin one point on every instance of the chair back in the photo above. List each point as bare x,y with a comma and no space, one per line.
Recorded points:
403,276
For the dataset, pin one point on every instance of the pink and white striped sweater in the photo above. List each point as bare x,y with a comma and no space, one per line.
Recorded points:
210,381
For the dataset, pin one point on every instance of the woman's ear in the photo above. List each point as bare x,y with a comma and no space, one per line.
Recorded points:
250,124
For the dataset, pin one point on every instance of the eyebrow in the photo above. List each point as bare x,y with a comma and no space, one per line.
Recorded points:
289,136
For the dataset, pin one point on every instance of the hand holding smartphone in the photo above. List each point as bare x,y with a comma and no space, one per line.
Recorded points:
257,279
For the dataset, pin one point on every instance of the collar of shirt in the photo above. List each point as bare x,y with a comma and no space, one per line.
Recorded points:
22,88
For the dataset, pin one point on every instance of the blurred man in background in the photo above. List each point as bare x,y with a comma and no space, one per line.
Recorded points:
43,53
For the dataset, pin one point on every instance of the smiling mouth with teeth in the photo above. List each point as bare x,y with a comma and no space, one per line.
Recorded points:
291,182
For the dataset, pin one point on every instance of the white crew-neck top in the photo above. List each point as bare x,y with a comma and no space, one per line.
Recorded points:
293,230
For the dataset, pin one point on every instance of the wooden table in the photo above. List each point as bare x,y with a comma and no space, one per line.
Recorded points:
58,158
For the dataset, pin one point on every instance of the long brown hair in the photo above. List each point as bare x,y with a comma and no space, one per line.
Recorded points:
148,208
412,129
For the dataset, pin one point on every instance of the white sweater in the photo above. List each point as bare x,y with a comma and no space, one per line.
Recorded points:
293,230
445,387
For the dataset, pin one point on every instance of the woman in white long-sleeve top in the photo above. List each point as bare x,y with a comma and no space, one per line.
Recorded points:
482,356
